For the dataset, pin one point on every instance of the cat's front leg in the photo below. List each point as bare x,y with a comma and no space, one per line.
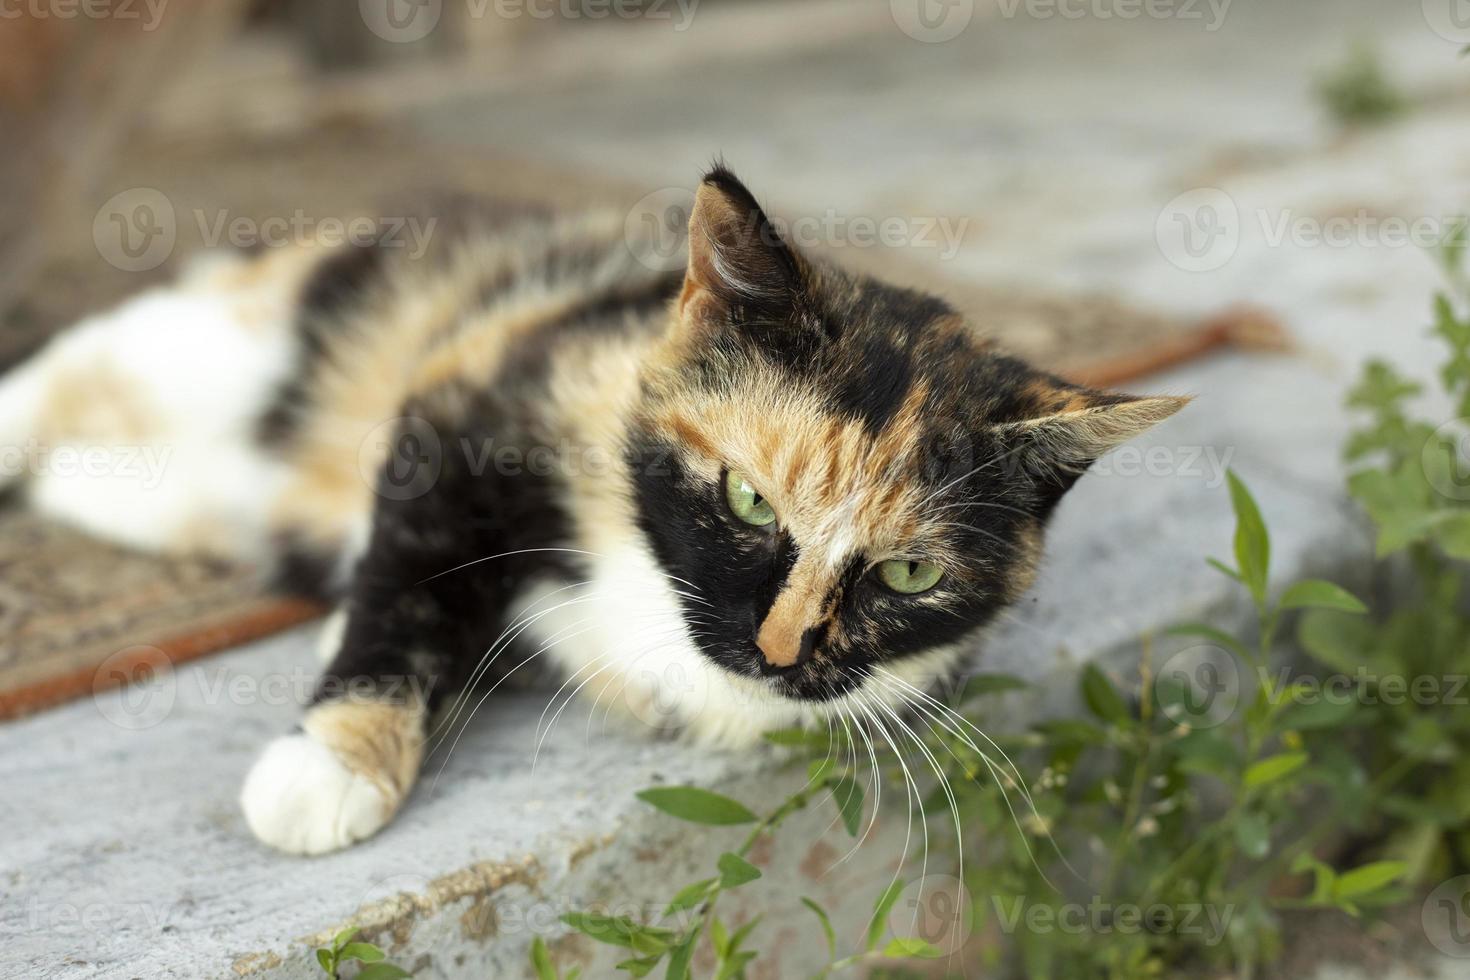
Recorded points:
423,608
340,778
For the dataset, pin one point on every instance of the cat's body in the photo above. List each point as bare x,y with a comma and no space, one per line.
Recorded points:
753,493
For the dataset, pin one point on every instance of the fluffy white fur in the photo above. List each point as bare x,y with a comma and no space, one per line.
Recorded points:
179,376
301,799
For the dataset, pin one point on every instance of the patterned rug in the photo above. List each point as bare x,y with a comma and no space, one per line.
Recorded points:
77,615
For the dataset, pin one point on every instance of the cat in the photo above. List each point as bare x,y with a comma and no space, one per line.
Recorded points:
752,491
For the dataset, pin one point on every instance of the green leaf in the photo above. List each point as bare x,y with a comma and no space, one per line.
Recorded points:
1207,751
343,938
1317,594
1367,879
1323,878
1224,569
980,685
741,934
1341,641
1103,700
1253,835
679,959
640,966
911,948
382,971
735,870
1273,768
1252,542
697,805
820,770
734,965
618,931
847,793
541,960
690,896
324,958
878,924
362,952
822,917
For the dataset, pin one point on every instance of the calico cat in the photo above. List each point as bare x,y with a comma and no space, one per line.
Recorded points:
744,494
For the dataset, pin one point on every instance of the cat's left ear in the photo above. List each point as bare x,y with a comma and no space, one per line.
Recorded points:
1058,445
738,263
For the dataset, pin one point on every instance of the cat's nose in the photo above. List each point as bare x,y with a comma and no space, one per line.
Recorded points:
781,650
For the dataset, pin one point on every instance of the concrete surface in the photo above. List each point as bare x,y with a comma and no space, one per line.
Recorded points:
1067,141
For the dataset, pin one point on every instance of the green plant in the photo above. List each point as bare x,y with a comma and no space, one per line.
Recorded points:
696,902
1358,92
344,950
1410,481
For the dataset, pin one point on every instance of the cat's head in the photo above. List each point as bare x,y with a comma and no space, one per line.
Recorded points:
841,475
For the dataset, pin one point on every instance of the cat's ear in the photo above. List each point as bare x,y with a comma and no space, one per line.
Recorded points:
738,263
1072,431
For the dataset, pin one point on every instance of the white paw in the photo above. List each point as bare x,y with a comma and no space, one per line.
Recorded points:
300,798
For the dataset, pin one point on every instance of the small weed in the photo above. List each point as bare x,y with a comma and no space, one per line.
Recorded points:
344,950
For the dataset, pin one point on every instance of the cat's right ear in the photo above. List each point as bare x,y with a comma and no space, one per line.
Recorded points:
739,266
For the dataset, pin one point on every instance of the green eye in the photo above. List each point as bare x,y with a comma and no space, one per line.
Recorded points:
910,577
746,502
